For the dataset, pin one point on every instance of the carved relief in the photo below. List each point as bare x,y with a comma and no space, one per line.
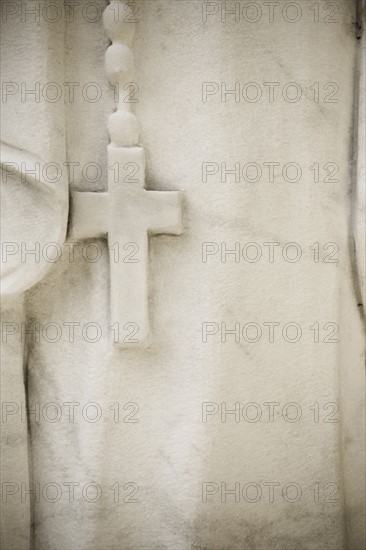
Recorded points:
127,213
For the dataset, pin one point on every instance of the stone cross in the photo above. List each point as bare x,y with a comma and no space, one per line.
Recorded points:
127,213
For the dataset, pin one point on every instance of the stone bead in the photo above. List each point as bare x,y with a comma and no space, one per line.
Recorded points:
119,63
124,129
118,19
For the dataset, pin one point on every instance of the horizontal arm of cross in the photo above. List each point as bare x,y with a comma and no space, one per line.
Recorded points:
89,213
164,212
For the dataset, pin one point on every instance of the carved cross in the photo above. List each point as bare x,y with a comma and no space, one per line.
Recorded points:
126,214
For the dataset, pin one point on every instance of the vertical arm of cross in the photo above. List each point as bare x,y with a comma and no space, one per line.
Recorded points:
129,288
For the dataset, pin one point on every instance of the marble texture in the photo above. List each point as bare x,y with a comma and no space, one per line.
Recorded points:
169,453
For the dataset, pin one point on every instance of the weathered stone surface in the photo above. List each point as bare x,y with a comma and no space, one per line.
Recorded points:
164,459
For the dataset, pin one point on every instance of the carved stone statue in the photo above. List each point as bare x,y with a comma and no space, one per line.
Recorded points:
202,389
